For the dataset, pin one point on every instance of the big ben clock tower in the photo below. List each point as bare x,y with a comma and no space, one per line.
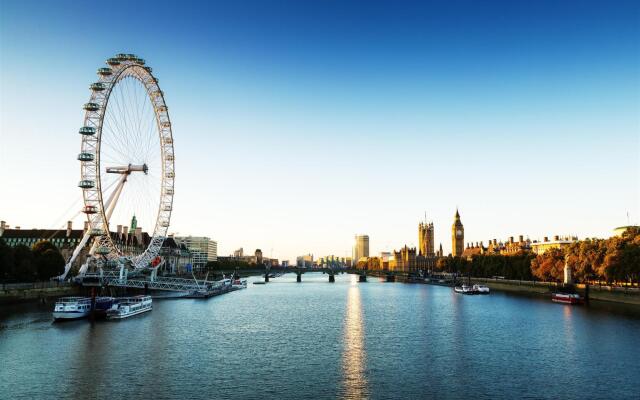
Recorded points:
457,236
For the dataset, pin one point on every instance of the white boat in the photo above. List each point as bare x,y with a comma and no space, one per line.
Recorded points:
239,284
130,306
464,289
67,308
481,289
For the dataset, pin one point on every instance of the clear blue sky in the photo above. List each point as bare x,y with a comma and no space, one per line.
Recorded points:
298,125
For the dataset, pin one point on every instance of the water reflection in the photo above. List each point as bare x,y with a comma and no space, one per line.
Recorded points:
354,356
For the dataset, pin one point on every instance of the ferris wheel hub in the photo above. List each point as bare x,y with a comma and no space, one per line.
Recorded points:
128,169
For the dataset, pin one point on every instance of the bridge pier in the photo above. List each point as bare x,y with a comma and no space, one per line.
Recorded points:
362,278
299,277
266,277
391,278
332,278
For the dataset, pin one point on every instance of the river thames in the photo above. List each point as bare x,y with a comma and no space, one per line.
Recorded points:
319,340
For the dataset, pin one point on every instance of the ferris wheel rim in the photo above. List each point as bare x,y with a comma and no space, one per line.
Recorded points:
121,67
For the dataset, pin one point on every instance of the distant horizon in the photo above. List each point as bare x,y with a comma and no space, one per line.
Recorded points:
297,126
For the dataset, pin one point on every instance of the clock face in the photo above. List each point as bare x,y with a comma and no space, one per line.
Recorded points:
459,232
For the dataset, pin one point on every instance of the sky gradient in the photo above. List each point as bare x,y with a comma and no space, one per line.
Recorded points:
298,125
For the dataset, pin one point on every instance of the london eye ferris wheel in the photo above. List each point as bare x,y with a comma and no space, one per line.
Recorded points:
126,159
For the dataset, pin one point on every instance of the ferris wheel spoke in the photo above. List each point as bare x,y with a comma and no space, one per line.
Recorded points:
119,133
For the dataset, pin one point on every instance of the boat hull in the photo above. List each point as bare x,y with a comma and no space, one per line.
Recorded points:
69,315
564,299
131,314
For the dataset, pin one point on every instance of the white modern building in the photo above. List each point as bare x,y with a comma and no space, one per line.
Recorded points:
202,248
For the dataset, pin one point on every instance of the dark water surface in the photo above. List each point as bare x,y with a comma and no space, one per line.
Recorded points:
319,340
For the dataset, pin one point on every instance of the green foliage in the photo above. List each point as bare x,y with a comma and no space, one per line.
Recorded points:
24,268
24,264
489,265
7,260
230,265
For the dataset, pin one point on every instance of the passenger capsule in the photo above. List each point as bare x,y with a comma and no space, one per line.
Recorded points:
168,191
91,107
86,184
156,93
167,208
131,57
170,174
121,57
86,157
149,69
169,157
140,61
87,130
162,108
164,224
90,209
95,232
98,87
103,250
104,71
168,140
113,61
165,124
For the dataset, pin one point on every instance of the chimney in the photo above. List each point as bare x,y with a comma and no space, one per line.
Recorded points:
521,238
3,225
119,230
510,239
556,238
546,239
139,234
481,245
17,228
125,232
69,228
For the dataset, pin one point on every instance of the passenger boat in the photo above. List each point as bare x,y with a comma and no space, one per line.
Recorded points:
68,308
481,289
80,307
130,306
239,284
567,298
464,289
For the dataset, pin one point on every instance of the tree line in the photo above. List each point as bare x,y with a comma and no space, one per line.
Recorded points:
40,262
613,260
516,266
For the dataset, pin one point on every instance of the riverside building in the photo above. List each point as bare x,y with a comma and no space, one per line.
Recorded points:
202,249
361,247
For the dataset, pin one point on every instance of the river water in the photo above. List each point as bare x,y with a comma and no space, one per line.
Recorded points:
319,340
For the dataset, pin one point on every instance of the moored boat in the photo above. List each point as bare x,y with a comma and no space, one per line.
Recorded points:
239,284
68,308
464,289
567,298
481,289
130,306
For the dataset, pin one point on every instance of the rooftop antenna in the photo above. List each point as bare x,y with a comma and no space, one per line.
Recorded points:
628,220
